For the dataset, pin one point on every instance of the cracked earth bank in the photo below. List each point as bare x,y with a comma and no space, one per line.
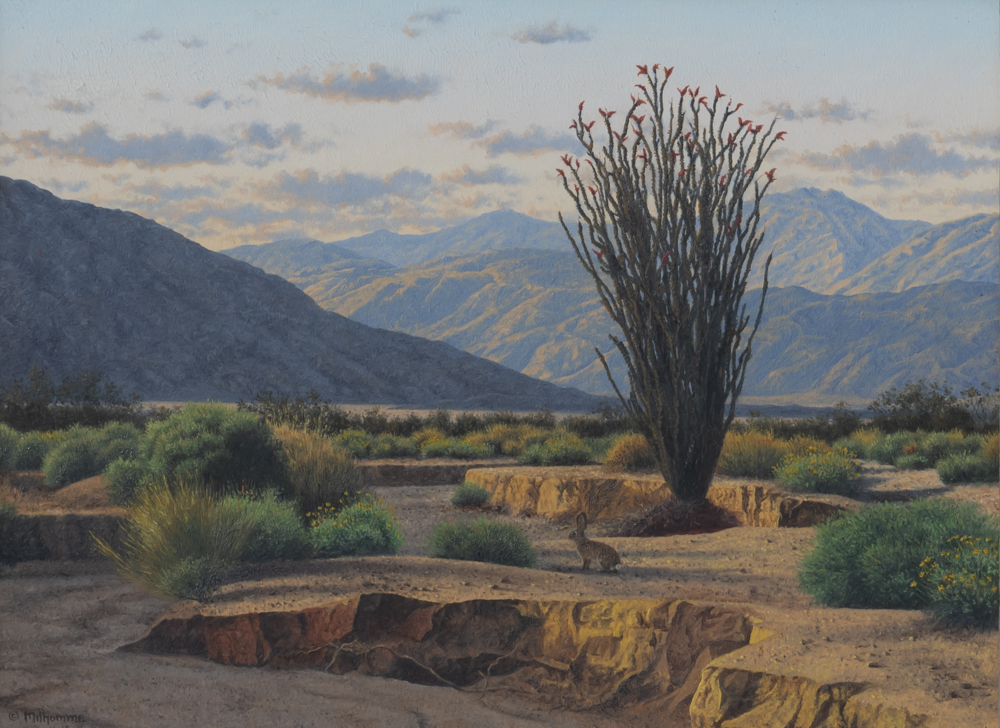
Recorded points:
713,624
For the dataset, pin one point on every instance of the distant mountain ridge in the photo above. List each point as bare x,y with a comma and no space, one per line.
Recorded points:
83,287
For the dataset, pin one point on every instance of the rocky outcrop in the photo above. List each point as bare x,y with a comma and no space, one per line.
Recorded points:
746,699
577,654
562,492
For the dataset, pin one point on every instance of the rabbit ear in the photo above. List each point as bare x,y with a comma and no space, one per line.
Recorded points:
581,522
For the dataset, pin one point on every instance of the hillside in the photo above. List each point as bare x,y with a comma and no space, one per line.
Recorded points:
82,287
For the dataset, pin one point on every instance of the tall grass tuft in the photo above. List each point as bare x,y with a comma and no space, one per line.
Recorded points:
629,453
318,474
751,454
178,543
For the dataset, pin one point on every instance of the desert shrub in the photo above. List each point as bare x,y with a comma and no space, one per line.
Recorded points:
9,439
394,446
869,558
965,468
915,461
629,453
368,527
427,434
804,445
276,530
959,584
450,447
920,405
470,495
937,445
225,448
563,449
600,447
826,427
357,443
751,454
889,448
34,446
513,439
989,447
86,452
832,471
177,542
18,542
317,473
483,540
125,479
859,442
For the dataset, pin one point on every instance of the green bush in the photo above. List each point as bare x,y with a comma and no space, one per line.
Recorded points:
276,530
450,447
125,479
18,542
869,558
367,527
960,582
887,449
917,461
859,442
34,446
86,452
563,449
968,469
318,474
483,540
9,439
357,443
225,448
819,472
394,446
177,542
751,454
470,495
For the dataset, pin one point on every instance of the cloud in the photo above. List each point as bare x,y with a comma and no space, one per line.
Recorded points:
493,175
70,107
156,96
462,129
151,35
971,198
434,17
207,99
95,147
195,42
825,111
531,142
551,33
377,84
910,153
979,139
259,134
54,185
161,193
349,189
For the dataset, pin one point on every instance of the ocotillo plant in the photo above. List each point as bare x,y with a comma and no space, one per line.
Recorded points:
668,214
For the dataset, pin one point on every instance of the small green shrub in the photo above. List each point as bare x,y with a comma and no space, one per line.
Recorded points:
9,439
960,582
357,443
225,448
470,495
989,447
394,446
318,474
86,452
917,461
18,542
869,558
367,527
125,479
935,446
968,469
276,530
34,446
483,540
751,454
452,448
819,472
629,453
859,442
563,449
889,448
177,542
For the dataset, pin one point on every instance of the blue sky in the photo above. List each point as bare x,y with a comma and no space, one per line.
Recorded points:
245,122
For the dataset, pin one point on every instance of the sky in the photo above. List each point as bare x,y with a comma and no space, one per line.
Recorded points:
237,122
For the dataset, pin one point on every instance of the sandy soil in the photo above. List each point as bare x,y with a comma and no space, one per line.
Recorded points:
63,621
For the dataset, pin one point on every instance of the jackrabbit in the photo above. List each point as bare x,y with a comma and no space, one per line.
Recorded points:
604,554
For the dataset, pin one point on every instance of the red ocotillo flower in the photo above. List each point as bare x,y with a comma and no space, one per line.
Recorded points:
756,129
572,125
581,105
729,142
598,253
718,93
639,119
578,164
655,66
681,173
644,70
665,258
739,219
566,159
639,85
695,92
748,171
703,101
667,72
729,230
738,107
592,191
722,181
561,173
683,90
770,175
590,125
637,131
674,155
780,135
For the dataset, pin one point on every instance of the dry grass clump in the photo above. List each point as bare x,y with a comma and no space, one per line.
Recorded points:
751,454
630,453
318,473
990,449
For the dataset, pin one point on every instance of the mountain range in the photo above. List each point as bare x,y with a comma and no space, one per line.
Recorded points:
83,287
520,297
